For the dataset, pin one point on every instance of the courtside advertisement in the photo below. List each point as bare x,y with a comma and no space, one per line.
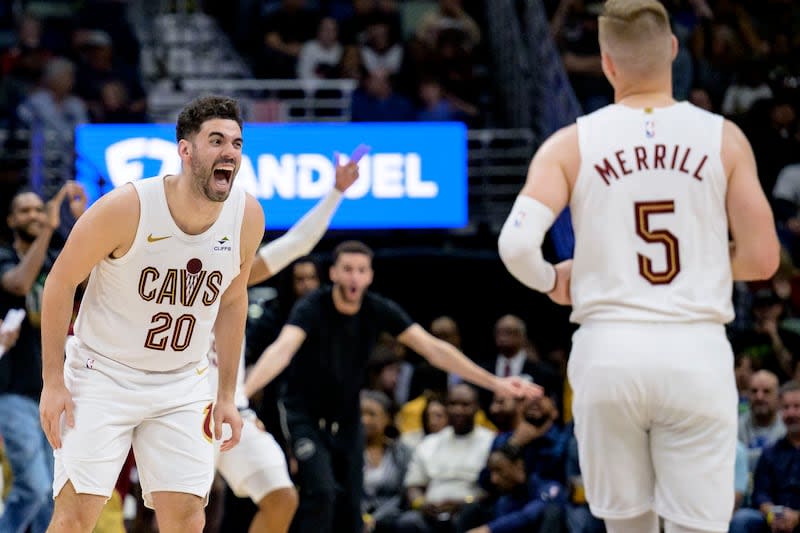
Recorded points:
415,175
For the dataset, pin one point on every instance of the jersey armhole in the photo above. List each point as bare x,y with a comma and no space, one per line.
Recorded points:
582,125
139,235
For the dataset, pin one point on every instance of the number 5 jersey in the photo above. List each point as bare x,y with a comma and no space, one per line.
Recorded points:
648,207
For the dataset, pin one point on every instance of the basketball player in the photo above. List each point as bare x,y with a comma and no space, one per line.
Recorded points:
256,467
169,259
654,187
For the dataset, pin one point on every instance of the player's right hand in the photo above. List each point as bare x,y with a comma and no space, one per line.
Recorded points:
561,292
55,400
347,174
516,387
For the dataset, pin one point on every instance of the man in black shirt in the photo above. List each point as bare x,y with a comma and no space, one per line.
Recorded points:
24,265
328,337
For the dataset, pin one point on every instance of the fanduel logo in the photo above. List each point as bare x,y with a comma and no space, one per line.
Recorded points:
308,176
123,159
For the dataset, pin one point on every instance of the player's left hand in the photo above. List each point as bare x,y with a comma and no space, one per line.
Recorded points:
516,387
227,413
347,174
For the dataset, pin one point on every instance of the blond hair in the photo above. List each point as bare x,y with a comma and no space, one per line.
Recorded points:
636,34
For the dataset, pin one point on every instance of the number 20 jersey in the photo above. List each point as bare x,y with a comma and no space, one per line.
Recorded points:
648,208
153,309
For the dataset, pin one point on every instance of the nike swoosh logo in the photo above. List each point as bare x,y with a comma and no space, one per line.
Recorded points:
201,371
150,238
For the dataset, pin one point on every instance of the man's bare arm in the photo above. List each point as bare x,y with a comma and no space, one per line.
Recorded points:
274,359
755,250
109,226
447,357
544,195
232,316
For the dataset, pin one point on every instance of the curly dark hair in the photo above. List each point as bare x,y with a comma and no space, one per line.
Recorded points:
206,108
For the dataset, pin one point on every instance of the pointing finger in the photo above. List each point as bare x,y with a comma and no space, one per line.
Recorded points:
360,151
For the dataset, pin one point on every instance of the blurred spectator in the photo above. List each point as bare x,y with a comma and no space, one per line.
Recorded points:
516,356
741,478
450,16
379,52
505,412
284,31
445,328
443,474
366,12
24,265
769,343
580,52
717,49
538,436
771,127
539,443
435,106
749,87
112,90
29,41
51,114
762,425
743,370
385,463
528,504
319,58
376,101
434,419
383,370
776,477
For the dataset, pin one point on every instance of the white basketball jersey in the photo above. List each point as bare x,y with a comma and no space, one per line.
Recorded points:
648,208
154,308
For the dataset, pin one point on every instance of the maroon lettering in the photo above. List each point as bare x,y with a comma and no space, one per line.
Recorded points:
674,156
606,171
683,161
148,274
699,168
641,158
622,162
660,153
213,282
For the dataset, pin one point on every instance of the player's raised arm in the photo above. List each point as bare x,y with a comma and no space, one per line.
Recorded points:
274,359
306,232
106,229
447,357
755,251
544,195
230,323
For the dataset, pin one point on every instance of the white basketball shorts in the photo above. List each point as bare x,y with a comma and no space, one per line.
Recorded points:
655,409
166,417
256,466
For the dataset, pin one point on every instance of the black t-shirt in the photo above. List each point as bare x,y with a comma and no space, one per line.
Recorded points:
326,375
21,366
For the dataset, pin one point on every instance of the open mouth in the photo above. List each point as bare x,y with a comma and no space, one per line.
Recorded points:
222,178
